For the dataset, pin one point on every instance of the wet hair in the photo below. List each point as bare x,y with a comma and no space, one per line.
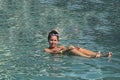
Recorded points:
53,33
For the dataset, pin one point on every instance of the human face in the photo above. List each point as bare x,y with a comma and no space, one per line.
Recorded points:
53,41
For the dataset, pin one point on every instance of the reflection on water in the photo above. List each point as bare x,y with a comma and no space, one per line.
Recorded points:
24,25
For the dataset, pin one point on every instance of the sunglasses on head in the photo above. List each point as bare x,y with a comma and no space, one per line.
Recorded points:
52,34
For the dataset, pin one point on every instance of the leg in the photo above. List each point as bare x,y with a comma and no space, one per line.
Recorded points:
87,52
93,54
77,52
82,52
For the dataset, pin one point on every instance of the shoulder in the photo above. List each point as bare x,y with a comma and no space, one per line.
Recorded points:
47,50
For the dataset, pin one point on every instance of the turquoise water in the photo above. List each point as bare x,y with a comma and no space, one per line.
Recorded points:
92,24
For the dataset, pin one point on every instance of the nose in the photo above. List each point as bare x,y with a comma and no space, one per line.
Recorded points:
53,41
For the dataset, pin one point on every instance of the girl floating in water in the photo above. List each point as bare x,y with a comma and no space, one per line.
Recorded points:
53,39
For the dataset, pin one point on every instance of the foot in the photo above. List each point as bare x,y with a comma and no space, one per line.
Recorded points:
109,54
104,55
98,55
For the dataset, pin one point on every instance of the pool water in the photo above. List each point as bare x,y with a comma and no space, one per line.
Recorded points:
91,24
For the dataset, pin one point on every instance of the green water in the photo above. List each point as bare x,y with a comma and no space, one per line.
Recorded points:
92,24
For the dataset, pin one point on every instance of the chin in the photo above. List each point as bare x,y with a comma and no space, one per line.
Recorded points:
53,46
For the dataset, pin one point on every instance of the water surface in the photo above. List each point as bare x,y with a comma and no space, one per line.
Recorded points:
92,24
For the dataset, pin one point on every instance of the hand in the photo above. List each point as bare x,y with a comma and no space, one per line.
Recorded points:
58,51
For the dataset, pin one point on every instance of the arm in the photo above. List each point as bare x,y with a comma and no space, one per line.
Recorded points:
50,51
55,51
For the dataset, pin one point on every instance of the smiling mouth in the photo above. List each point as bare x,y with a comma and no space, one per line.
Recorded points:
53,45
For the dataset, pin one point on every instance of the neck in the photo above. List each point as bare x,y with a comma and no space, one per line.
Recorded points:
52,47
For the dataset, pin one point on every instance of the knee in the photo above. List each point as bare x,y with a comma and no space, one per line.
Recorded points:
71,46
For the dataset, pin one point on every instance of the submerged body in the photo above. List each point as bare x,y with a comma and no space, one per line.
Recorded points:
53,40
